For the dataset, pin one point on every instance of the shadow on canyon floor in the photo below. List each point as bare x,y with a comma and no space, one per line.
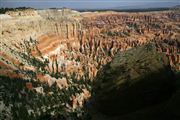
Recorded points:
13,92
167,109
137,84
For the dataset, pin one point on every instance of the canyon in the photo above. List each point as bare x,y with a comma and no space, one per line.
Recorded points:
63,46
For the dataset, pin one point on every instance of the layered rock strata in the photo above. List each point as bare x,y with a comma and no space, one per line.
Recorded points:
66,48
66,43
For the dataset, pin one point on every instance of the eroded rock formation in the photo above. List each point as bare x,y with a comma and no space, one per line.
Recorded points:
80,43
66,45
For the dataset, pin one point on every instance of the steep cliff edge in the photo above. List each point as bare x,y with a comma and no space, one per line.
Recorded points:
65,48
83,40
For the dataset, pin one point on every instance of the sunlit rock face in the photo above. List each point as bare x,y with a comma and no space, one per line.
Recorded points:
59,47
71,43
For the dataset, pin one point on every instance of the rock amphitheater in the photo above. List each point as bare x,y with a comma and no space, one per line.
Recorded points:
62,45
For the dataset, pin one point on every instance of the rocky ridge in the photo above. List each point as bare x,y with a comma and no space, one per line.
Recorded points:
138,78
82,39
67,46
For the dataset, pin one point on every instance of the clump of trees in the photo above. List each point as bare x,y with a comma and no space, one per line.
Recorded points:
4,10
25,104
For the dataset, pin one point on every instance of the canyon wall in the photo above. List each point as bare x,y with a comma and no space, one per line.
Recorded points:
65,49
66,43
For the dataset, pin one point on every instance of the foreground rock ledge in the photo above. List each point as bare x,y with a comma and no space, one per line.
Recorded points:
135,79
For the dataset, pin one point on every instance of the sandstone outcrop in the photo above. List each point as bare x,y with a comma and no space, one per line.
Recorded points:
68,42
64,48
134,79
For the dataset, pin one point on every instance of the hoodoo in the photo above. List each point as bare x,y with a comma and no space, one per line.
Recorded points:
49,59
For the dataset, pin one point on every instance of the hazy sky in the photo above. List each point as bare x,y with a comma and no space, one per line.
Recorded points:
89,4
